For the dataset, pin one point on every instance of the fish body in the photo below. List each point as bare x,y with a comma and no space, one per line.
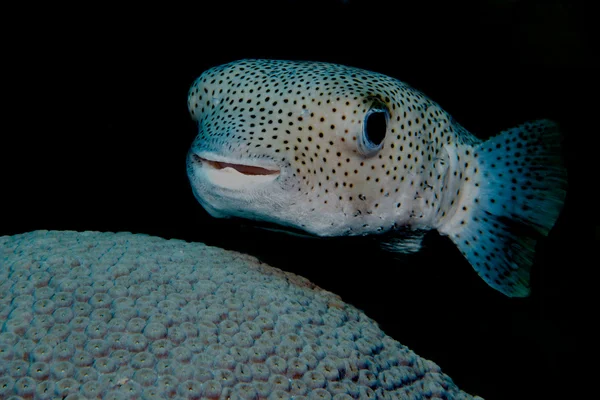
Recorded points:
333,150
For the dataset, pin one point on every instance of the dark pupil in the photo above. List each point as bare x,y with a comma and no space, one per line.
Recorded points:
375,127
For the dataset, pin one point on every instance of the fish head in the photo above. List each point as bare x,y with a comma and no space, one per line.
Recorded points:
307,145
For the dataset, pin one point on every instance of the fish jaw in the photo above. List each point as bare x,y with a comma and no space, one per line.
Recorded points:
229,174
228,187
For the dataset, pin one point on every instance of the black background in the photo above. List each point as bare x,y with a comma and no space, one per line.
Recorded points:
95,132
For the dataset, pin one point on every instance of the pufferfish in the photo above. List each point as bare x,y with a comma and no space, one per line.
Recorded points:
332,150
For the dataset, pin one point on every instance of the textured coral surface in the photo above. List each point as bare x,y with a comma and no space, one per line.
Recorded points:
123,316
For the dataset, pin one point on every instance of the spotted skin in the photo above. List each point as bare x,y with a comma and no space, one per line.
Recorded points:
294,143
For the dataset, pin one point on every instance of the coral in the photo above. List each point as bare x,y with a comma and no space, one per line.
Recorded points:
118,315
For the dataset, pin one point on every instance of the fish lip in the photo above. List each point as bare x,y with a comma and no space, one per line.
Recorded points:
219,163
226,175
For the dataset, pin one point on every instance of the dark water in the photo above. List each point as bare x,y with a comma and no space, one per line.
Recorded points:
96,133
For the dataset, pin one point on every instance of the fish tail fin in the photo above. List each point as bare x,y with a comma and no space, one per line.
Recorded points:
516,197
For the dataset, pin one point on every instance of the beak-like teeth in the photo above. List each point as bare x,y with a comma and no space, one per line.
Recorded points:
232,175
241,168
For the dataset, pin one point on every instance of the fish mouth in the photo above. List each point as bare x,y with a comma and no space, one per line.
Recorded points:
241,168
232,175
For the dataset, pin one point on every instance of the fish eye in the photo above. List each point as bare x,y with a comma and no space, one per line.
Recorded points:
374,129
